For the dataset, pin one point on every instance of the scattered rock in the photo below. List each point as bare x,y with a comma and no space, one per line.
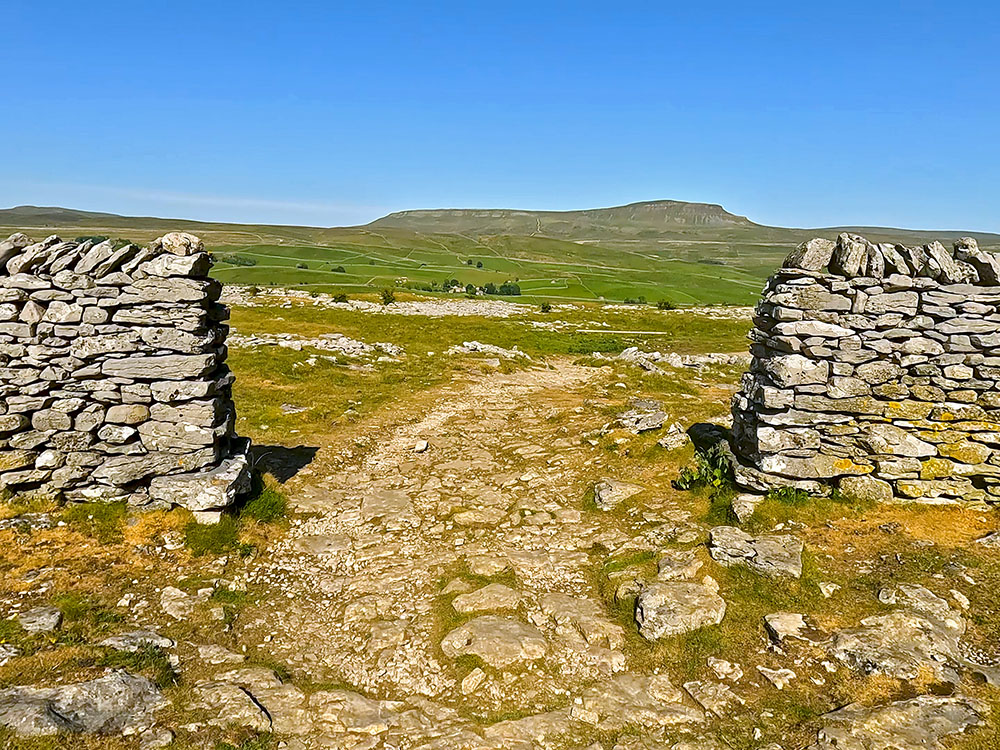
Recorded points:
725,670
675,438
782,626
41,619
773,555
116,703
609,493
472,681
780,678
714,697
136,640
665,609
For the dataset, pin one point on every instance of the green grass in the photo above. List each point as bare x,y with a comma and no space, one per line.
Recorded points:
267,504
103,521
216,538
149,661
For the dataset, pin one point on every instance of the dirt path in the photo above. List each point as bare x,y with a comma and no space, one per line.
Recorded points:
442,591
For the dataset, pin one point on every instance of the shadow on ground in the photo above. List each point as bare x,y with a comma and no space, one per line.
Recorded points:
281,461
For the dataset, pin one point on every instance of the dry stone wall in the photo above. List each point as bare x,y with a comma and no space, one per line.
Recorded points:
113,376
876,367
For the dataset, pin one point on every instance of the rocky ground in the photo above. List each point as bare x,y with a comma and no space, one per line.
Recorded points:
501,560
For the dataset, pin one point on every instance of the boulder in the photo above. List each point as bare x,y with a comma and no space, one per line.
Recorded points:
671,608
116,703
773,555
921,723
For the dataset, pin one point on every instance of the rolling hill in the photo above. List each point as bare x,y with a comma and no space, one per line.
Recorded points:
689,253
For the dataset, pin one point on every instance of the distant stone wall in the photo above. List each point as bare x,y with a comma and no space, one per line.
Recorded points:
113,382
876,367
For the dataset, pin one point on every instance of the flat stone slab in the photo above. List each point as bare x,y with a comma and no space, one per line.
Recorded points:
112,704
40,619
498,641
671,608
917,724
772,555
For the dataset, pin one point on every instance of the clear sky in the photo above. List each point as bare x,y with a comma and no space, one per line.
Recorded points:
793,113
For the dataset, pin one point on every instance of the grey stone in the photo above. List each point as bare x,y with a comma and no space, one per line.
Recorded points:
136,640
205,490
849,255
40,619
671,608
773,555
811,255
921,723
115,703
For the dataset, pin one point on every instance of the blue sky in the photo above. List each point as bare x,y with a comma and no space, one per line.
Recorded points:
796,114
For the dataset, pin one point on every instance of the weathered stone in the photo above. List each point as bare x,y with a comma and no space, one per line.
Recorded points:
849,255
498,641
40,619
811,255
205,490
115,703
609,493
493,596
920,723
672,608
866,489
773,555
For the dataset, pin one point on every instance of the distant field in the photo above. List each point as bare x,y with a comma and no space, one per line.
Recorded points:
544,268
681,252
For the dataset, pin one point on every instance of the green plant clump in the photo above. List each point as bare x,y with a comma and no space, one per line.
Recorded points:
267,505
711,469
388,297
215,539
103,521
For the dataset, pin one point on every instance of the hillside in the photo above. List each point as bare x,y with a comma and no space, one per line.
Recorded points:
647,219
688,253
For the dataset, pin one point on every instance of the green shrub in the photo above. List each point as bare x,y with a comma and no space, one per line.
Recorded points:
388,297
340,269
301,266
341,298
665,304
711,469
546,307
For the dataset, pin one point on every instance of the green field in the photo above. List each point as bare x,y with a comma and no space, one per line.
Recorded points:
682,252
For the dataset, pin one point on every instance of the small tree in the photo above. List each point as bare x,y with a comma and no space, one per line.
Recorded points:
388,297
546,307
340,297
301,265
470,289
479,264
665,304
340,269
468,262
